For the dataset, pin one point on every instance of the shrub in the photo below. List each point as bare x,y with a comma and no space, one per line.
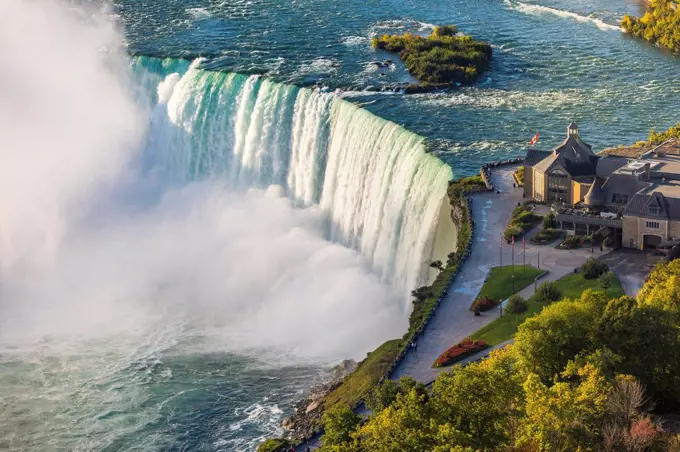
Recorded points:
592,268
516,305
549,221
512,231
607,279
482,304
548,292
458,351
545,236
570,242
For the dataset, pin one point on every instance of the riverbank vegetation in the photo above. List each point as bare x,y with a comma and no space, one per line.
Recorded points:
660,24
442,59
593,372
356,387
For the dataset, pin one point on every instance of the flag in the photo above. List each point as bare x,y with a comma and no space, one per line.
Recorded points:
513,241
534,140
524,244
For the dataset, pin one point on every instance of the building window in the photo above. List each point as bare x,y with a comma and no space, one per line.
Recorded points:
618,198
558,186
653,224
653,210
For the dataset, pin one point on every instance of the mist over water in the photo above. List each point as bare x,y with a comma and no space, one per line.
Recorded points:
140,308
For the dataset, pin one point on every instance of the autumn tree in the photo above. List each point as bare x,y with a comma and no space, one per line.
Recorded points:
339,424
662,289
480,402
567,415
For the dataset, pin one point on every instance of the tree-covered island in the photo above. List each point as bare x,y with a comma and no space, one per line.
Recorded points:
440,60
660,24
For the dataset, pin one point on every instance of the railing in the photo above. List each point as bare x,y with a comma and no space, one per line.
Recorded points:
486,174
586,219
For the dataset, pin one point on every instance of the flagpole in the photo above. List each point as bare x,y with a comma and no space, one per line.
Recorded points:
524,256
501,252
513,265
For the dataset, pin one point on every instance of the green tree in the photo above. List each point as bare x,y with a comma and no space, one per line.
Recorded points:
544,344
478,405
549,221
567,415
516,305
406,425
339,424
647,339
662,288
386,394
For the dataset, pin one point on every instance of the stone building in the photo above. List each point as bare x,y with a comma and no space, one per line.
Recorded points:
635,199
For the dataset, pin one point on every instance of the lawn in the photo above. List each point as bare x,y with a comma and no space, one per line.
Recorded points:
570,286
499,285
365,377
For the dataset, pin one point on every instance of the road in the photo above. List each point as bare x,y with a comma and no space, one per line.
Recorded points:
453,320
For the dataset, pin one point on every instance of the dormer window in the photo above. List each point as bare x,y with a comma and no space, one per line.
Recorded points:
653,210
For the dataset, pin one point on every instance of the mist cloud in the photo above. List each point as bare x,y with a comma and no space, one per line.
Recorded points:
237,272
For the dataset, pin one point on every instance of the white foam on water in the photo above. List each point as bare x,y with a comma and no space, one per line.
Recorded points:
540,10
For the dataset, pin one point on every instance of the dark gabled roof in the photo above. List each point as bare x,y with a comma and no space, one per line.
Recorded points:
607,165
576,156
546,163
669,208
624,184
534,156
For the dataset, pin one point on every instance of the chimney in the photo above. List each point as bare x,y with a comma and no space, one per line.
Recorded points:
648,171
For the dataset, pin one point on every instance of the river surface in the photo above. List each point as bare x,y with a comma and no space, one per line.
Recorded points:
264,108
555,61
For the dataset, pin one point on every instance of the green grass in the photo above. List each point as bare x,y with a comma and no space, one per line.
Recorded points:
365,377
499,286
570,286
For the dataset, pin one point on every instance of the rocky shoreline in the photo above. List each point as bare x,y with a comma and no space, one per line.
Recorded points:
303,423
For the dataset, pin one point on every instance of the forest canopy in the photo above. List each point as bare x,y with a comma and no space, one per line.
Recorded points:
660,24
586,374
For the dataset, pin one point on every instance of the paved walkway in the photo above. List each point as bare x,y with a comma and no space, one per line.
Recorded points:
453,320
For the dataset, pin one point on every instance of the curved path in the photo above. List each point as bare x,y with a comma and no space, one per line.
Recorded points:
453,320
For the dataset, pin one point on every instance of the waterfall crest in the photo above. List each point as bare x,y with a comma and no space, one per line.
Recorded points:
381,191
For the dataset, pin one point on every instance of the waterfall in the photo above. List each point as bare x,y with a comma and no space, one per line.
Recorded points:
380,189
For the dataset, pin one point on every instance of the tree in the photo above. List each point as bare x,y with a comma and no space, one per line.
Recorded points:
547,292
662,288
339,424
646,339
544,344
592,268
403,426
565,416
516,305
438,265
607,279
478,405
386,394
549,221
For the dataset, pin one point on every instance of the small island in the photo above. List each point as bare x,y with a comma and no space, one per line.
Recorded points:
660,24
441,60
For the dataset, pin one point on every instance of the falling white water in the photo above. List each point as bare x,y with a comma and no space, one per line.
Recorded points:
381,191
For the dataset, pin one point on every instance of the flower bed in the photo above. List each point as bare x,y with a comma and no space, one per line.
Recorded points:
482,304
459,351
